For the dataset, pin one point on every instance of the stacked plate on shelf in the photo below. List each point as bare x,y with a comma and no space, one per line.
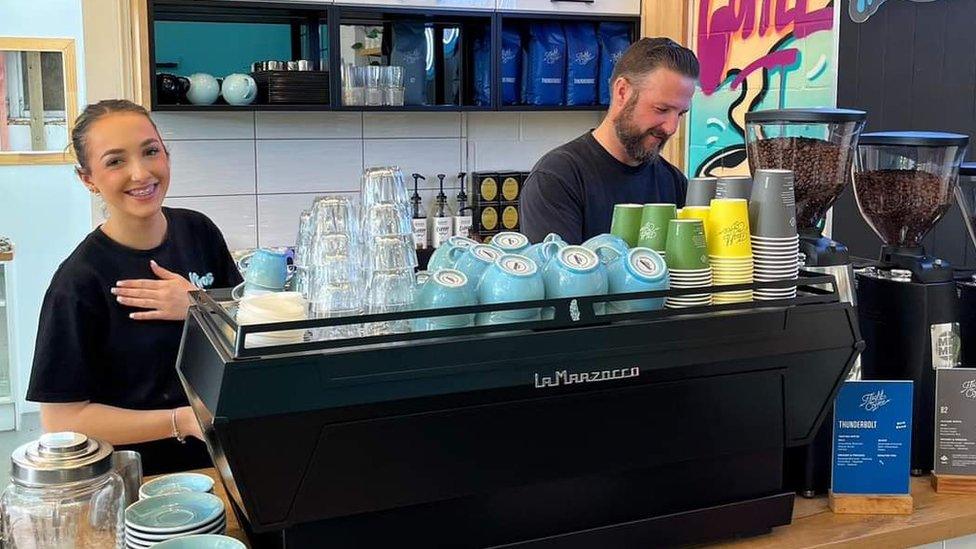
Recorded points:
161,518
292,87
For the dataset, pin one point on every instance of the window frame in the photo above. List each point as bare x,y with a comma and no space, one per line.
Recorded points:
66,47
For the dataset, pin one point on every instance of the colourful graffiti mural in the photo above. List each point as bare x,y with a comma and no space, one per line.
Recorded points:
755,55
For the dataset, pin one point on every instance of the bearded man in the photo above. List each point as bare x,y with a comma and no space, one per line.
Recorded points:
573,188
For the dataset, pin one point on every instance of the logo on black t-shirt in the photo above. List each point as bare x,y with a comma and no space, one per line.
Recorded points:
201,281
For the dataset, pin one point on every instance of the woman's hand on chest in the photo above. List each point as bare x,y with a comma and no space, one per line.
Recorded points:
167,298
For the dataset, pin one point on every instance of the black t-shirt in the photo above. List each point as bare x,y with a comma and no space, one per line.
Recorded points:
573,188
89,349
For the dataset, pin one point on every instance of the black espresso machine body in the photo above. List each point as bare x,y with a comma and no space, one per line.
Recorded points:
655,428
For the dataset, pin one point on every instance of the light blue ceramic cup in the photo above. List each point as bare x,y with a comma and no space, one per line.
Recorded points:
266,268
574,271
444,289
449,252
534,252
639,270
475,260
264,271
510,242
607,239
511,278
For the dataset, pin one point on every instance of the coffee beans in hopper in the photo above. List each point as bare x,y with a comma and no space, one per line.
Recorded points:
820,169
901,205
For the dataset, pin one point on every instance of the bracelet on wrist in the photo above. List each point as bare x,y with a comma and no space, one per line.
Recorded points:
176,429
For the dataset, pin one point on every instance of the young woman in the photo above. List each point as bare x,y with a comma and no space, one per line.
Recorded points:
112,318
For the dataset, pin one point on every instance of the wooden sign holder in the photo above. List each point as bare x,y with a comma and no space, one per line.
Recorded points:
954,484
859,504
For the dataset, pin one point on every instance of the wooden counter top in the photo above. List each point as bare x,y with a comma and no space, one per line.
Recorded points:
936,517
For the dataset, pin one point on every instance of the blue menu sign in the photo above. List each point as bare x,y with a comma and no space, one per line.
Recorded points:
872,438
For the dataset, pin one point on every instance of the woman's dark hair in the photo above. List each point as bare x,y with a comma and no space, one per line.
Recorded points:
95,112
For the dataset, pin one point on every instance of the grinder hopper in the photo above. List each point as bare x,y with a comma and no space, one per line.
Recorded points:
903,183
818,145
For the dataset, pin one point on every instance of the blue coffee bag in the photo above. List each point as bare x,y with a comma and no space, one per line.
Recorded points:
409,50
614,40
482,70
511,66
545,70
582,61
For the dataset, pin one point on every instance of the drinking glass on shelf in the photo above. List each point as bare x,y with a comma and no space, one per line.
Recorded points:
303,242
353,87
374,92
332,300
386,219
393,96
393,76
335,214
389,253
393,85
384,185
388,292
331,245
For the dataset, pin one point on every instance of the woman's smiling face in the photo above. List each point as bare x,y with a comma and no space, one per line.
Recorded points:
127,164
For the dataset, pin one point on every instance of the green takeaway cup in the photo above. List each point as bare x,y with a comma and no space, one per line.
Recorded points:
686,248
626,222
654,225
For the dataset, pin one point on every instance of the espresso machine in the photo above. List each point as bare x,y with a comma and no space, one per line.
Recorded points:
818,145
907,303
966,279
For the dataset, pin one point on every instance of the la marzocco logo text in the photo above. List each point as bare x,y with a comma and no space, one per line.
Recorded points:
563,377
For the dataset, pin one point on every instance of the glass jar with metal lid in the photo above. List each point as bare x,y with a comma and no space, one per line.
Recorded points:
63,493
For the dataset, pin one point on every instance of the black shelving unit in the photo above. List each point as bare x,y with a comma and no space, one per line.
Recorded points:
522,18
307,21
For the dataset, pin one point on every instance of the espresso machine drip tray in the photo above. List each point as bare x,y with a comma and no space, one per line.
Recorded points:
654,428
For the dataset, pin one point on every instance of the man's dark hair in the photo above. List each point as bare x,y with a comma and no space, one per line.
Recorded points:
648,54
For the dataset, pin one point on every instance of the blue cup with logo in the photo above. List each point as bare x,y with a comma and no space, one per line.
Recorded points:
639,270
264,270
444,289
511,278
475,260
573,271
510,242
448,253
607,239
534,252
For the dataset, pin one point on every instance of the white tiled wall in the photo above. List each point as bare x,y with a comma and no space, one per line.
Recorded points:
253,173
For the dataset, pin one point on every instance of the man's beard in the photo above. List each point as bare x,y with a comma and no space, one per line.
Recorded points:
632,138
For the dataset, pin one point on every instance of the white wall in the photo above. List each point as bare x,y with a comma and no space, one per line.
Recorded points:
42,208
253,173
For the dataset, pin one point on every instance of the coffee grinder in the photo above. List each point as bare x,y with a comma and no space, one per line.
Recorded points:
907,305
966,279
818,145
